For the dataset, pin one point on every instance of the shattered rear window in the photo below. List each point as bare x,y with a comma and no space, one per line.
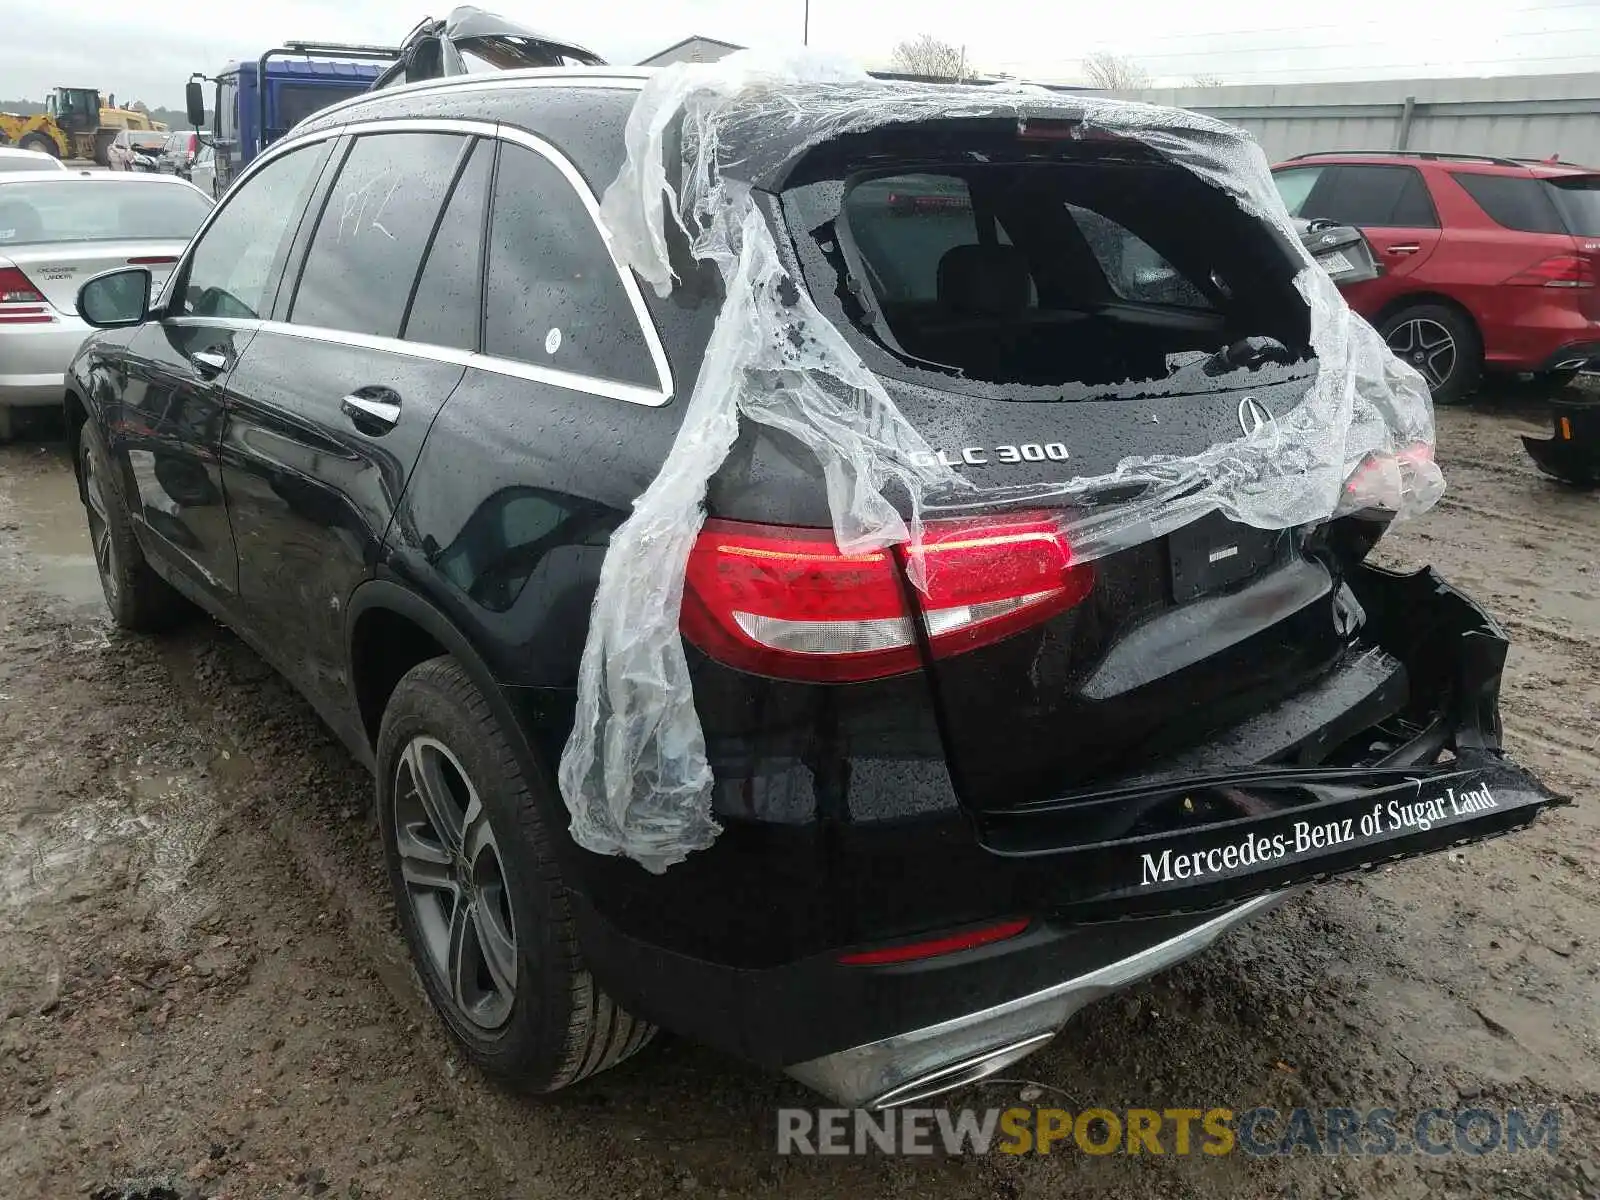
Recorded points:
1134,270
1040,273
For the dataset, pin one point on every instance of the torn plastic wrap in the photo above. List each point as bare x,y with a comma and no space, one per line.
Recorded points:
634,773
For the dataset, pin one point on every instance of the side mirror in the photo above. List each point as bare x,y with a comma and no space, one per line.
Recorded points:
194,98
116,299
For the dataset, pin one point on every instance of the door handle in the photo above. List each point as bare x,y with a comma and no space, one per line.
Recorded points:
1403,248
209,363
374,410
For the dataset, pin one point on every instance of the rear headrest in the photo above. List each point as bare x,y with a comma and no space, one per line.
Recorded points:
19,222
984,281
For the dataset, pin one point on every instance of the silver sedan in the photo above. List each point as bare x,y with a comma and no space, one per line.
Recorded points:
14,158
57,231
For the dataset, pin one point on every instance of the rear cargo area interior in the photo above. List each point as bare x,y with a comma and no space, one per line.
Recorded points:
1044,265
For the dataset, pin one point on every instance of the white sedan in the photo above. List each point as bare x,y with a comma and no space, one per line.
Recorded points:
14,158
57,231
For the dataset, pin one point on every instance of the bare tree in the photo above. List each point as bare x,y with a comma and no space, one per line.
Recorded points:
1205,81
1114,73
927,55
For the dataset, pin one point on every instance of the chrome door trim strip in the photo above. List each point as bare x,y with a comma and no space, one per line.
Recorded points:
588,384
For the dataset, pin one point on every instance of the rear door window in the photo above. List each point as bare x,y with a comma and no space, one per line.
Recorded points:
555,298
1382,196
375,225
449,296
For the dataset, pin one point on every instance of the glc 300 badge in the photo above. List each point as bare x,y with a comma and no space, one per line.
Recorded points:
983,456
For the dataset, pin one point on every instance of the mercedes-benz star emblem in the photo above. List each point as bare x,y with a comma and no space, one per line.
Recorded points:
1252,415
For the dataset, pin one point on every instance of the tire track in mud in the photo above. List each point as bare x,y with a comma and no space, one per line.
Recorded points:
1379,989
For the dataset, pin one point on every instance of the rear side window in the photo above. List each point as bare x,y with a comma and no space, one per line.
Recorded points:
1516,202
1378,195
1134,270
375,225
554,297
233,270
449,295
1578,199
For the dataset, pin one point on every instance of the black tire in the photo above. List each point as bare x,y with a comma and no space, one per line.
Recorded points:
140,600
1414,334
469,892
37,141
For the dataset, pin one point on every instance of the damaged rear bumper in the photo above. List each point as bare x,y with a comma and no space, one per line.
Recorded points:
919,1064
1352,826
1210,851
1572,454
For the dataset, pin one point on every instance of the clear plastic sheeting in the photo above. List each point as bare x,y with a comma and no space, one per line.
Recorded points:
634,773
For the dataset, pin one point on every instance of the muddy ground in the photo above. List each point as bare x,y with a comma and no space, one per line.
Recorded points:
202,992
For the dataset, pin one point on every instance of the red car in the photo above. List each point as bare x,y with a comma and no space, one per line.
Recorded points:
1489,263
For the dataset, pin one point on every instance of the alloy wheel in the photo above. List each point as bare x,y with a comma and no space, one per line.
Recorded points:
1426,345
105,549
455,882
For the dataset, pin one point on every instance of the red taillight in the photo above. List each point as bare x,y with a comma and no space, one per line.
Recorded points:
785,602
17,288
933,947
153,260
1377,482
20,302
1559,270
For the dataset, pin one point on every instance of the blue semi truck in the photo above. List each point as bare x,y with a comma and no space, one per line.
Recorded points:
254,103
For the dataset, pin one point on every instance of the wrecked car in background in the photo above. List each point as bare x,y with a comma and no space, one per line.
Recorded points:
889,573
1341,250
470,41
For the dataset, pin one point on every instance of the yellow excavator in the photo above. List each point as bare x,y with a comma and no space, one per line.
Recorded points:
74,124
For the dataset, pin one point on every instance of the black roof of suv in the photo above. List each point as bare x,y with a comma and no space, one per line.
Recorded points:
401,396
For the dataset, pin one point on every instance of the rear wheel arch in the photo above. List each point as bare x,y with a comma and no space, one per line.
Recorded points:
392,629
1419,299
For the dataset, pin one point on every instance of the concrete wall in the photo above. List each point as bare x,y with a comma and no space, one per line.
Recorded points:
1514,116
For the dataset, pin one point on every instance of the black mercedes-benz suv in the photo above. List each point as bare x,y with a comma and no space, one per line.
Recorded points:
398,395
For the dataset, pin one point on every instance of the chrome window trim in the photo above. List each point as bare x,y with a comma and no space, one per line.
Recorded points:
594,385
514,368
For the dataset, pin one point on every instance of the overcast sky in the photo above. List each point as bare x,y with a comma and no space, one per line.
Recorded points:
147,50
